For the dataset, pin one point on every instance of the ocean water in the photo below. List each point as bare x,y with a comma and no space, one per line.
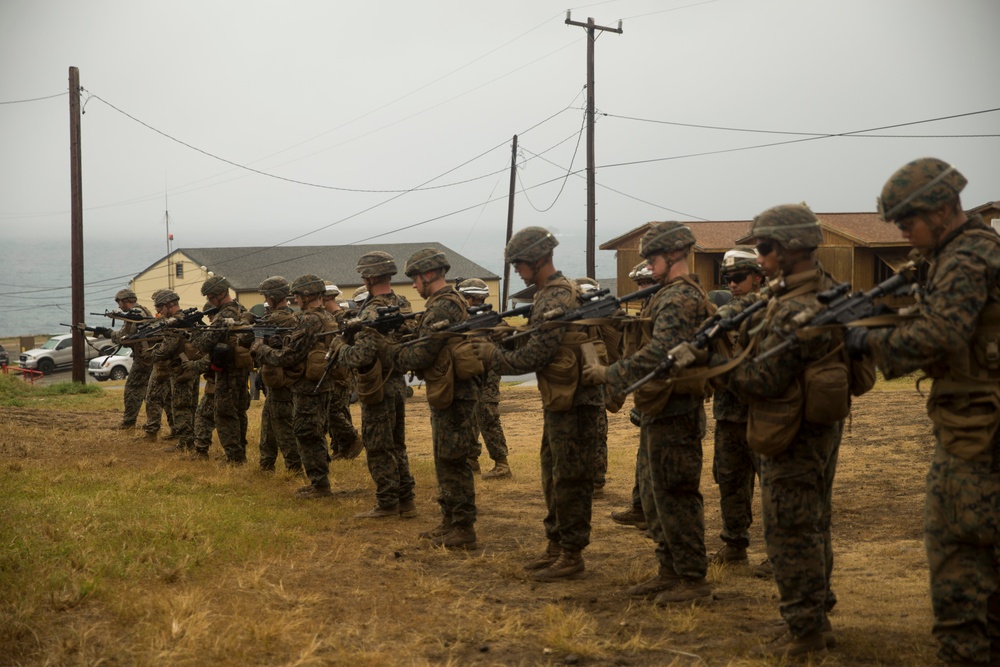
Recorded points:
35,280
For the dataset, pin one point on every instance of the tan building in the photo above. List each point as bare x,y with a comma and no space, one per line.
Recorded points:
185,269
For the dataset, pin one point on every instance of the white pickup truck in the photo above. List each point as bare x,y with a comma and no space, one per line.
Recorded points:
57,352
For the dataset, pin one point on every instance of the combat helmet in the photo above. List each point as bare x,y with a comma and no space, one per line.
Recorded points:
921,185
308,284
587,284
125,294
360,294
529,245
641,273
377,263
426,259
215,285
275,287
474,287
741,257
794,226
164,296
664,237
331,289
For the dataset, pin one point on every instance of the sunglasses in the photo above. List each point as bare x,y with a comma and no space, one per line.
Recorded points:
905,224
764,248
735,277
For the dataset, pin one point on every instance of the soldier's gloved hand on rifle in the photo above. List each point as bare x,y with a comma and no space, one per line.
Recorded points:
228,322
485,349
594,374
102,332
257,344
192,368
856,342
687,355
334,344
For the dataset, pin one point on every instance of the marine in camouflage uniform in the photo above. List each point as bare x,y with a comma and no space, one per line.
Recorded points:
277,426
158,399
570,434
231,398
169,355
383,423
796,483
453,427
142,365
953,339
734,464
345,441
612,345
310,403
475,292
671,430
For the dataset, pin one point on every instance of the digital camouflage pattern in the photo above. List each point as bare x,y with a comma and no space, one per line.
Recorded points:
921,185
529,245
453,429
383,425
231,397
797,484
569,439
792,225
664,237
340,425
962,512
672,500
734,469
310,409
183,388
137,380
277,416
158,398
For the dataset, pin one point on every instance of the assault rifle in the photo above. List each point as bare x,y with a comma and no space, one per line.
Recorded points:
389,319
708,332
839,307
131,315
600,304
184,319
480,317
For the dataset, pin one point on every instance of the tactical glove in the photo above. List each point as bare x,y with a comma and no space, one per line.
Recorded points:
102,332
856,342
594,375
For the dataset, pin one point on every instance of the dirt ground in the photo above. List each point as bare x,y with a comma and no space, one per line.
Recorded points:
437,607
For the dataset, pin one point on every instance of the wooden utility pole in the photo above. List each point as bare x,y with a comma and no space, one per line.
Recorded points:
76,228
510,222
591,180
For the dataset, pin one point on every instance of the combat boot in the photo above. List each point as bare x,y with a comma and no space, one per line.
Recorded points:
551,555
314,492
442,528
407,509
633,516
664,580
459,537
598,491
500,470
474,464
789,646
126,426
199,455
356,448
730,554
828,637
764,570
379,512
685,590
568,565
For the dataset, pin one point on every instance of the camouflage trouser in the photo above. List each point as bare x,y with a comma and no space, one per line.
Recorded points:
136,383
309,415
232,398
488,418
569,444
962,536
734,468
796,488
453,431
158,400
672,501
341,427
383,428
183,401
276,434
601,455
204,418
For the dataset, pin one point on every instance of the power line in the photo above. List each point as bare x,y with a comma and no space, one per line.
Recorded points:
569,169
35,99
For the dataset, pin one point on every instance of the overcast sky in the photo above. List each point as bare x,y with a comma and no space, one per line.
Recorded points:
339,96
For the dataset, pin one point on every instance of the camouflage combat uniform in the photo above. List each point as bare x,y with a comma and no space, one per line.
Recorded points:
570,437
229,402
453,429
277,433
341,426
488,419
383,424
671,438
309,406
962,513
137,381
183,386
796,484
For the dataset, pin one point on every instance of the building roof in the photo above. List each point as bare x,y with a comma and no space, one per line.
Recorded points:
862,229
528,293
710,236
246,267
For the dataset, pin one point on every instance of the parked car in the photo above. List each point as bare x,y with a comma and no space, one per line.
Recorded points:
57,352
115,366
4,357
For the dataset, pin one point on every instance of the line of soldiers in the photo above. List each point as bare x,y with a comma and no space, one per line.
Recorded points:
782,390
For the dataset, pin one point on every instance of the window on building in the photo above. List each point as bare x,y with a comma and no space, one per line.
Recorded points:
179,269
717,281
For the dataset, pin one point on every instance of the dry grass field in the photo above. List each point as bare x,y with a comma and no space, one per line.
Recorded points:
113,552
